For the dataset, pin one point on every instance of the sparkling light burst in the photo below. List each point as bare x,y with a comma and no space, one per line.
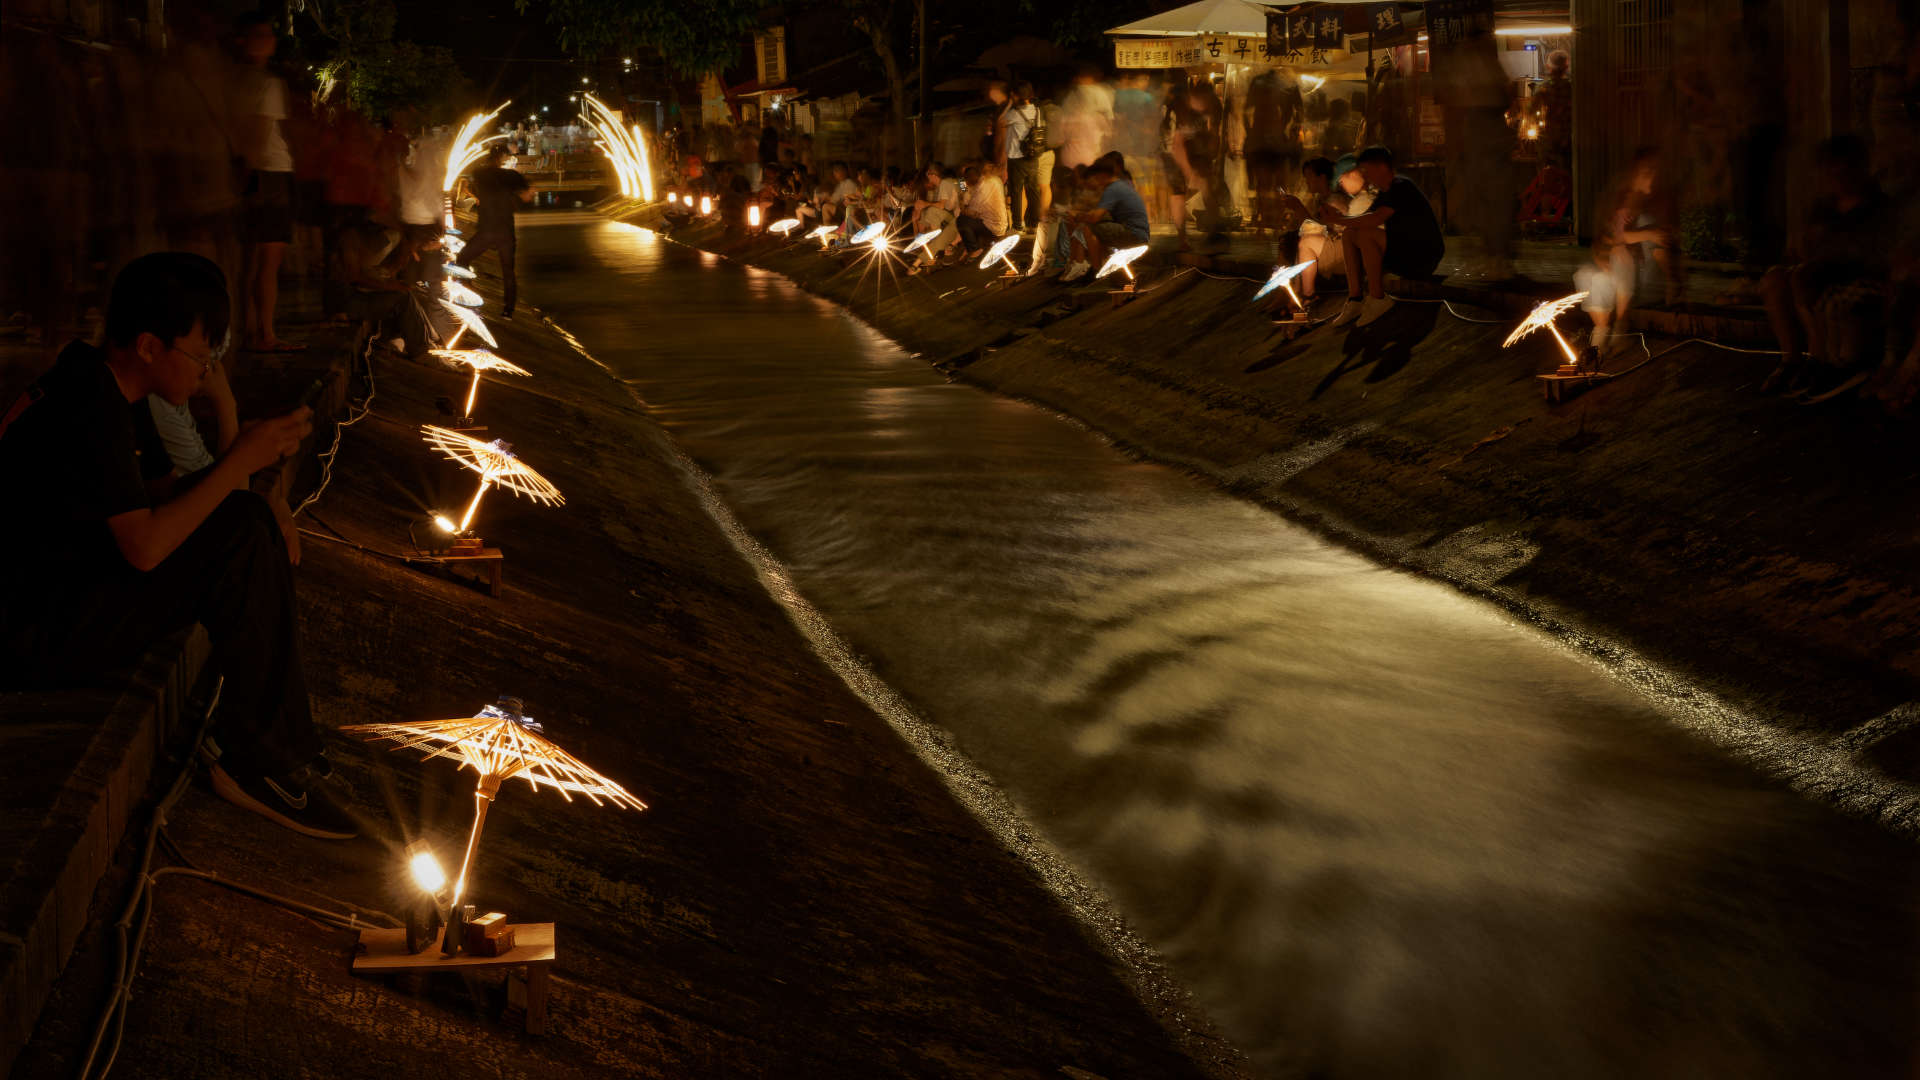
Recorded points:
1121,260
500,743
998,253
468,148
625,147
866,235
1543,315
479,360
498,467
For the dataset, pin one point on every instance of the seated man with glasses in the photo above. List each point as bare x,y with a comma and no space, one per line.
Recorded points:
99,569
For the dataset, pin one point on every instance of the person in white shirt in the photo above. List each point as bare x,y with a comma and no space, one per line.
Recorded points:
938,208
844,194
1023,177
422,204
259,111
985,218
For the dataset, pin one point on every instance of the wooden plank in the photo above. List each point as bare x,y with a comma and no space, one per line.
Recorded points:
383,951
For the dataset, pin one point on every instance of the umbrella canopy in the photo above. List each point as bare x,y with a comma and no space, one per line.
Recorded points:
1205,17
499,744
495,462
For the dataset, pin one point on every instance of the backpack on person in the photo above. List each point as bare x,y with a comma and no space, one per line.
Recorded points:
1035,143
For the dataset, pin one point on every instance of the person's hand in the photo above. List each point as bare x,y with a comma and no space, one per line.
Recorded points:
265,443
214,386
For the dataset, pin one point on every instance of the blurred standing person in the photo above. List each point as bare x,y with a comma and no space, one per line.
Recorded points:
1266,151
1016,154
1086,120
1135,136
1553,110
501,192
1469,81
1191,139
259,112
350,185
1637,222
421,170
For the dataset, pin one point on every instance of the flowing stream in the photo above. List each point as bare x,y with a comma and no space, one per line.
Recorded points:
1377,828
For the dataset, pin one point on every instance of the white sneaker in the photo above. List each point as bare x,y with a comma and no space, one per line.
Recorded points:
1075,272
1348,312
1373,309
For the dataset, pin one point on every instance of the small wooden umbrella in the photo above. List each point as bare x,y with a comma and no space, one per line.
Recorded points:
500,743
479,360
497,465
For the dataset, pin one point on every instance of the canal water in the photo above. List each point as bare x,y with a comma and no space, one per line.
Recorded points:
1377,829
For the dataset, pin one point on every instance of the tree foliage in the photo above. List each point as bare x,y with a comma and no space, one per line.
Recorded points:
382,74
694,37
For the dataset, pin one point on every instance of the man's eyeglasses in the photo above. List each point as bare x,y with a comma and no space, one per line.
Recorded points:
205,362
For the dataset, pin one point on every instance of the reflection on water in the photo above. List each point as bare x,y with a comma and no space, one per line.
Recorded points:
1377,828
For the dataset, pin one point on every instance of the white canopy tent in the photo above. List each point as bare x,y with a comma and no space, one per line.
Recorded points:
1204,17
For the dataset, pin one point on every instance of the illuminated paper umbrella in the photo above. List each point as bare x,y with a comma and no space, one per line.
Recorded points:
869,234
468,321
1121,260
463,296
1544,315
821,233
784,225
998,253
1283,279
479,360
499,744
498,467
465,273
922,240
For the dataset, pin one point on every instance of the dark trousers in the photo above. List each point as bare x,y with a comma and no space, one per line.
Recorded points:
484,242
975,234
232,577
1023,178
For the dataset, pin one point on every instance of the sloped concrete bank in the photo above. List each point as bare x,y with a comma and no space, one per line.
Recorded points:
1750,560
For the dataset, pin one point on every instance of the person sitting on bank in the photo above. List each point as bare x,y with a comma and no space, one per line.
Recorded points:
180,436
109,571
1117,220
985,218
937,208
1399,235
1636,224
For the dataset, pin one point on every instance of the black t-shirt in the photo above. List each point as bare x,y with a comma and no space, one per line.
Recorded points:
79,454
498,192
1413,232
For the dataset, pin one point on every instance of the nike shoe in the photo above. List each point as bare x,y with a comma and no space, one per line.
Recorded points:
295,801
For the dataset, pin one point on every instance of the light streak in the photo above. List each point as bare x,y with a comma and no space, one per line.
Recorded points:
625,147
468,148
469,321
1543,316
456,270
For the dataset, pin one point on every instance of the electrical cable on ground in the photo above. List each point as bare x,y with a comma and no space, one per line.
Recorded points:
339,432
127,951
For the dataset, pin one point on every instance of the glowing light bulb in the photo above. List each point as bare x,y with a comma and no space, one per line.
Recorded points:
753,216
426,870
706,204
445,524
673,196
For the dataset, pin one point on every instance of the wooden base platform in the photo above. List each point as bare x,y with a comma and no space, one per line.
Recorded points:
491,562
1557,387
384,952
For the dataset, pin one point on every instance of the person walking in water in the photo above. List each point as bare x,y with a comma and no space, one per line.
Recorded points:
500,192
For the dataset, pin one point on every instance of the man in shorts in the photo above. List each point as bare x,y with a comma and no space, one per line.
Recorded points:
260,113
1399,235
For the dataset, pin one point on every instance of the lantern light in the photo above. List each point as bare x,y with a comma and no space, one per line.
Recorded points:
425,868
753,216
706,205
1543,315
1121,260
998,253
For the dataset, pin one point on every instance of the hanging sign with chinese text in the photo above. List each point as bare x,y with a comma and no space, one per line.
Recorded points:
1452,22
1385,24
1137,53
